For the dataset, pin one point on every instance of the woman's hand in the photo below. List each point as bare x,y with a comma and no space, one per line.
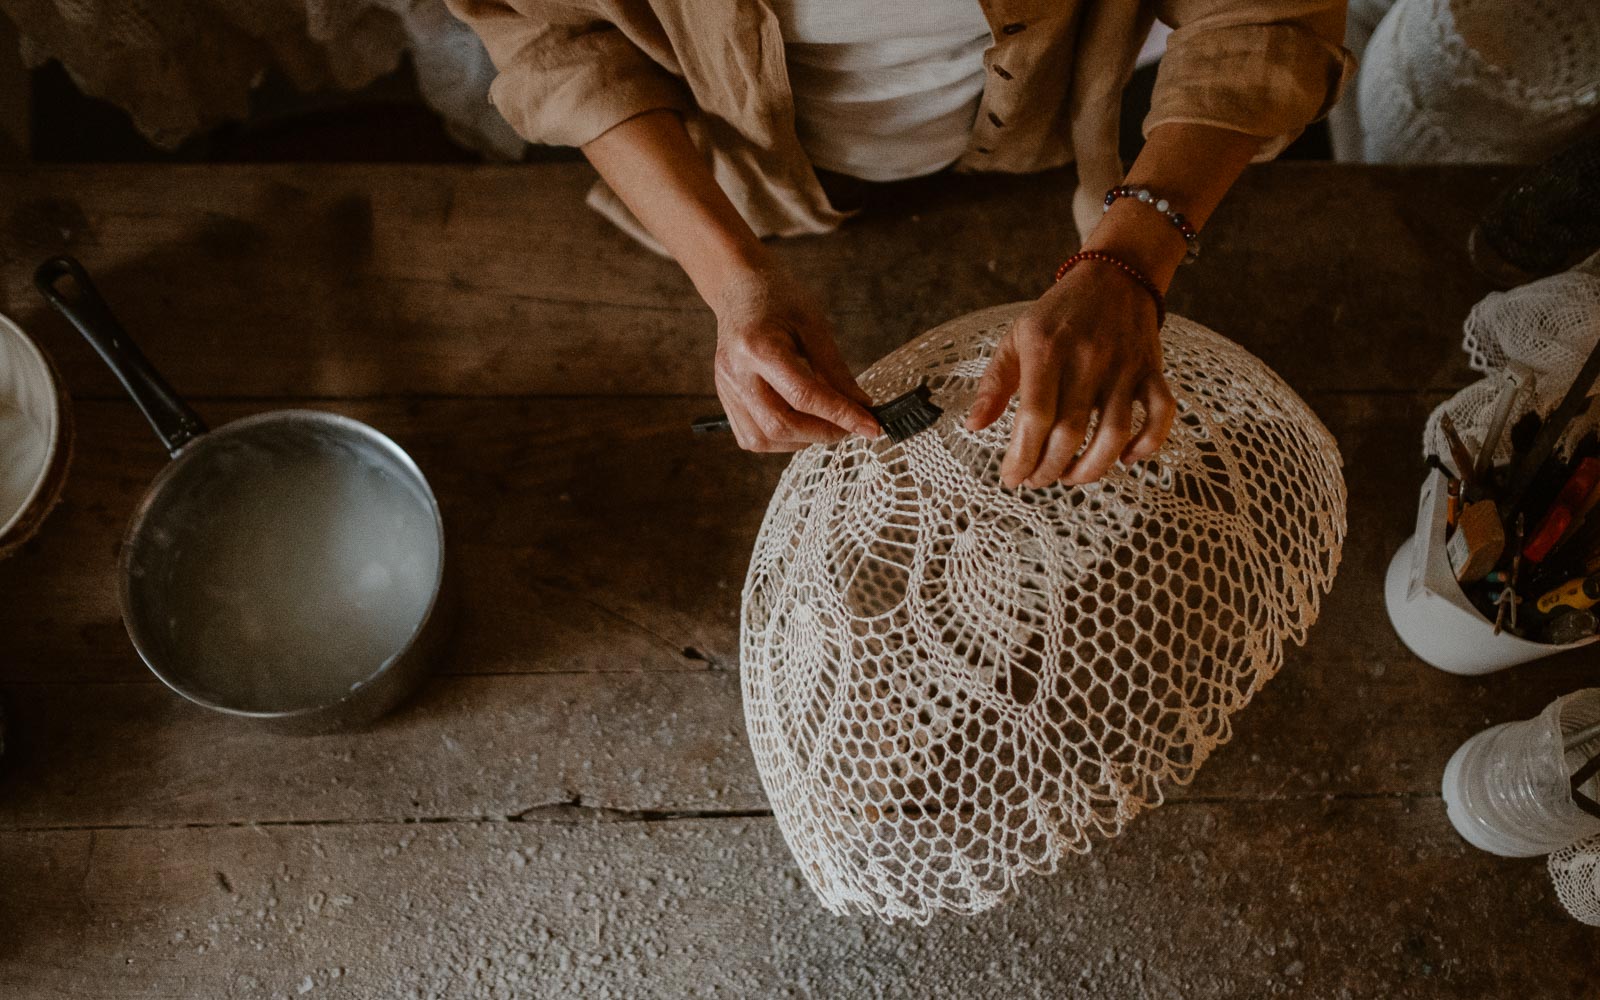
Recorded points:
1088,344
778,370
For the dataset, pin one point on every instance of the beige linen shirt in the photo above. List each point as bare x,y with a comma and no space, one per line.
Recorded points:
571,70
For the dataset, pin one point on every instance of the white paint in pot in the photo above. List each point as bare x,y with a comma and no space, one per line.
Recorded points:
298,565
30,424
1431,614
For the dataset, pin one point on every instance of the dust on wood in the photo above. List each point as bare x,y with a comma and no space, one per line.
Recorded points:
346,281
527,355
1296,899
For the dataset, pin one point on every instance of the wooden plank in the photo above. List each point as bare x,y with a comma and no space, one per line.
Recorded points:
595,534
16,89
625,575
118,755
590,534
1343,899
364,280
134,755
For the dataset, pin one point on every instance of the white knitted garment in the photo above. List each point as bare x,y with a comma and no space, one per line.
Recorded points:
1547,327
949,683
1479,81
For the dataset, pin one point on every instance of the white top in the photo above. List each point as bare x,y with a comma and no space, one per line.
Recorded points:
884,89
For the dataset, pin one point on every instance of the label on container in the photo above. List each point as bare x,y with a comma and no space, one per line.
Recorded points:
1421,539
1458,552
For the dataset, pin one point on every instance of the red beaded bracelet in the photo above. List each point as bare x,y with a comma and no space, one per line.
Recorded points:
1133,272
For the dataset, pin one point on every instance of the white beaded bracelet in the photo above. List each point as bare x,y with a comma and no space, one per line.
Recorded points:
1191,238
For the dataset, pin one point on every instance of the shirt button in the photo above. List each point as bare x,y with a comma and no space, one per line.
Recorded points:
1000,71
1013,28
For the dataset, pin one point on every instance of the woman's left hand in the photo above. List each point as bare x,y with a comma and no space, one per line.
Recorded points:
1088,344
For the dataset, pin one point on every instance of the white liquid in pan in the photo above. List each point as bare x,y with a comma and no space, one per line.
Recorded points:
22,459
296,576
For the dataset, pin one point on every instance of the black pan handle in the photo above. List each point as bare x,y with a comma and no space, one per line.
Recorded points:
175,424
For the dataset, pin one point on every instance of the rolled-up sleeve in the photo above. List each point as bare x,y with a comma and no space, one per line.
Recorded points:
565,75
1267,68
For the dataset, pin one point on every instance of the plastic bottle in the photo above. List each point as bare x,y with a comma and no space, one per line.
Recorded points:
1508,789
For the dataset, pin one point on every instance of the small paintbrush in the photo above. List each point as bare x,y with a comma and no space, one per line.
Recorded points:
900,418
1459,452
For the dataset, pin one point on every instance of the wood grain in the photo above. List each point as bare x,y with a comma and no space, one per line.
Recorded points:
1306,899
118,755
114,755
625,560
16,87
584,534
349,281
597,533
570,809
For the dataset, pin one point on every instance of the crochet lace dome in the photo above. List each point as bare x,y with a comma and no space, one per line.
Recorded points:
949,683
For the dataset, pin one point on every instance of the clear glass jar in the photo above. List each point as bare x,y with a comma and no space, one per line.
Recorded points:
1508,789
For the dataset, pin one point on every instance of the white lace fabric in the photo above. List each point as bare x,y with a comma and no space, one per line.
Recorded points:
1575,871
1546,328
949,683
179,67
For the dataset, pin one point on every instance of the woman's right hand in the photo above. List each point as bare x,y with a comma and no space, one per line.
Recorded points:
778,370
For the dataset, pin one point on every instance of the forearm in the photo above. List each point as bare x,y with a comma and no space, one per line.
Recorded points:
1191,166
650,163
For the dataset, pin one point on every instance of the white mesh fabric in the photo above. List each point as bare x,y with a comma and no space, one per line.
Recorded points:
1575,870
949,683
1479,81
1547,326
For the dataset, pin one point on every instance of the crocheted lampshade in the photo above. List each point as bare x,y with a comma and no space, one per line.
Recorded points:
949,683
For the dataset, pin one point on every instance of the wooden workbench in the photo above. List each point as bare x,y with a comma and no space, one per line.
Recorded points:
570,808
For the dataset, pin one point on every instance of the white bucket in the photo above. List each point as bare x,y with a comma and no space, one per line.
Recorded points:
35,437
1431,614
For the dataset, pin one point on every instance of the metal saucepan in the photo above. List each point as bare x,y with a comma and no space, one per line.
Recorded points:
287,566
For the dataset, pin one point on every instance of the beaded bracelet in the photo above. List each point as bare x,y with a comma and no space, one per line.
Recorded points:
1191,237
1137,275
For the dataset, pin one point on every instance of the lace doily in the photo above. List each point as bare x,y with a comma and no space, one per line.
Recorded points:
949,684
1479,81
1575,870
1547,327
179,67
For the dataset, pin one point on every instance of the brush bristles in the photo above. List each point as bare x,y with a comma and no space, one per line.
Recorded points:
909,414
901,430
